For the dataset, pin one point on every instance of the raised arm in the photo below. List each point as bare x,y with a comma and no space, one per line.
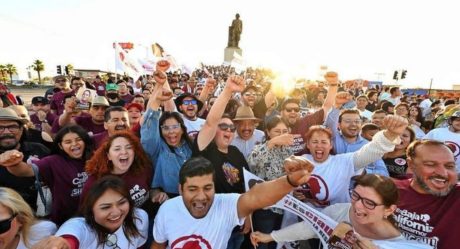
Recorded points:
208,88
332,79
268,193
12,161
382,142
208,131
332,118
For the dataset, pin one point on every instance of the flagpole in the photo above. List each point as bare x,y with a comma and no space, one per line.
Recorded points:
115,61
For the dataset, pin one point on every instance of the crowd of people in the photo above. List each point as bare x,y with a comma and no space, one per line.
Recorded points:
159,161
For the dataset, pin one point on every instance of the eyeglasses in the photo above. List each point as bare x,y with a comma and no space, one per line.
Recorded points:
11,128
224,127
369,204
189,102
5,225
348,121
112,241
170,127
295,109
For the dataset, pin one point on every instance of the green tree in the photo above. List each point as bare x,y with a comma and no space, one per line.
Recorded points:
10,70
69,68
38,66
3,73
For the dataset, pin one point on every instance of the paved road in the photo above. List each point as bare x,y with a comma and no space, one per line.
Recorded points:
28,93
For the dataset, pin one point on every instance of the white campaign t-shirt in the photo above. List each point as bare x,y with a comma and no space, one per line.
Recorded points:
87,238
38,231
452,140
329,181
174,223
193,126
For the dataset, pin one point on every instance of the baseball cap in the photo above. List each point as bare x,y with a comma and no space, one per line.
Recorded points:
40,100
134,105
111,87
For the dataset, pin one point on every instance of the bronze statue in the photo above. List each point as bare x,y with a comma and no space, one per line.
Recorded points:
234,32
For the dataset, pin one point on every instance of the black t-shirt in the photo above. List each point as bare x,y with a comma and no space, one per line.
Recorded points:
118,103
397,166
24,185
228,177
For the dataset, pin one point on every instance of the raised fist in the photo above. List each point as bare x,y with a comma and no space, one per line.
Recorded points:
395,124
163,94
342,98
235,83
160,77
10,158
332,78
162,65
298,169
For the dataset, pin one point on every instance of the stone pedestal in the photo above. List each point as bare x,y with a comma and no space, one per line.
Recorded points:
228,54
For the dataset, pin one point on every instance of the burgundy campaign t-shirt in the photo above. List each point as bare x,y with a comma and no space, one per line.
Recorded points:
65,178
427,218
301,128
138,185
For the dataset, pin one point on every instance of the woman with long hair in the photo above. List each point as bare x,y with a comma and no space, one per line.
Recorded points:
370,213
18,227
416,121
396,160
266,161
165,140
122,155
107,219
63,172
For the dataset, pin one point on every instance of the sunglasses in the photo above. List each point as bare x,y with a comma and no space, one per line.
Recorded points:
5,225
224,127
295,109
369,204
189,102
170,127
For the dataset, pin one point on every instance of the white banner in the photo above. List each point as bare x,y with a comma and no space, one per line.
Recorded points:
126,63
322,224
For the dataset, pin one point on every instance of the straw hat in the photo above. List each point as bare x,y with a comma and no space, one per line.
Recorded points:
245,113
10,114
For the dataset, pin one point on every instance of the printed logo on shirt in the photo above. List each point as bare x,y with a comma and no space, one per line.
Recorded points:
78,183
138,195
191,242
232,174
298,145
400,161
454,147
415,226
192,135
316,191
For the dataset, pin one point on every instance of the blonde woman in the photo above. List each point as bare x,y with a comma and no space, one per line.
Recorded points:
18,227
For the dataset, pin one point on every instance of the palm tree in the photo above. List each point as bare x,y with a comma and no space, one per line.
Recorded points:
11,69
38,66
2,73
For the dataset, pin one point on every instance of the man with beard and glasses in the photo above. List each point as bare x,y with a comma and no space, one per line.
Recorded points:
346,134
429,202
189,106
115,119
12,137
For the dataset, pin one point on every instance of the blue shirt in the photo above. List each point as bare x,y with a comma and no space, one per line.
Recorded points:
341,145
167,162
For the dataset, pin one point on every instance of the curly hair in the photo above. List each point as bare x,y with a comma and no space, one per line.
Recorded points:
99,165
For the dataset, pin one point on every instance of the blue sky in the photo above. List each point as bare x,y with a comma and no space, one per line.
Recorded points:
357,38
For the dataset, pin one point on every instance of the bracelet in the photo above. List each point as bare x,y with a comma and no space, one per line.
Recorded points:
290,183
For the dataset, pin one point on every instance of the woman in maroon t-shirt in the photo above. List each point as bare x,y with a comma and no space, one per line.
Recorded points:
122,155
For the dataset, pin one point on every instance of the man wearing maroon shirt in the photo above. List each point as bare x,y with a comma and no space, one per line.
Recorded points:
429,202
115,119
57,101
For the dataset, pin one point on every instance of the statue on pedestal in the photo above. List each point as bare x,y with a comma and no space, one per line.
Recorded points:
234,32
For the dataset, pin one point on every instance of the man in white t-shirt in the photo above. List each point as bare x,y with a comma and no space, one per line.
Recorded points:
199,218
189,106
450,136
395,97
